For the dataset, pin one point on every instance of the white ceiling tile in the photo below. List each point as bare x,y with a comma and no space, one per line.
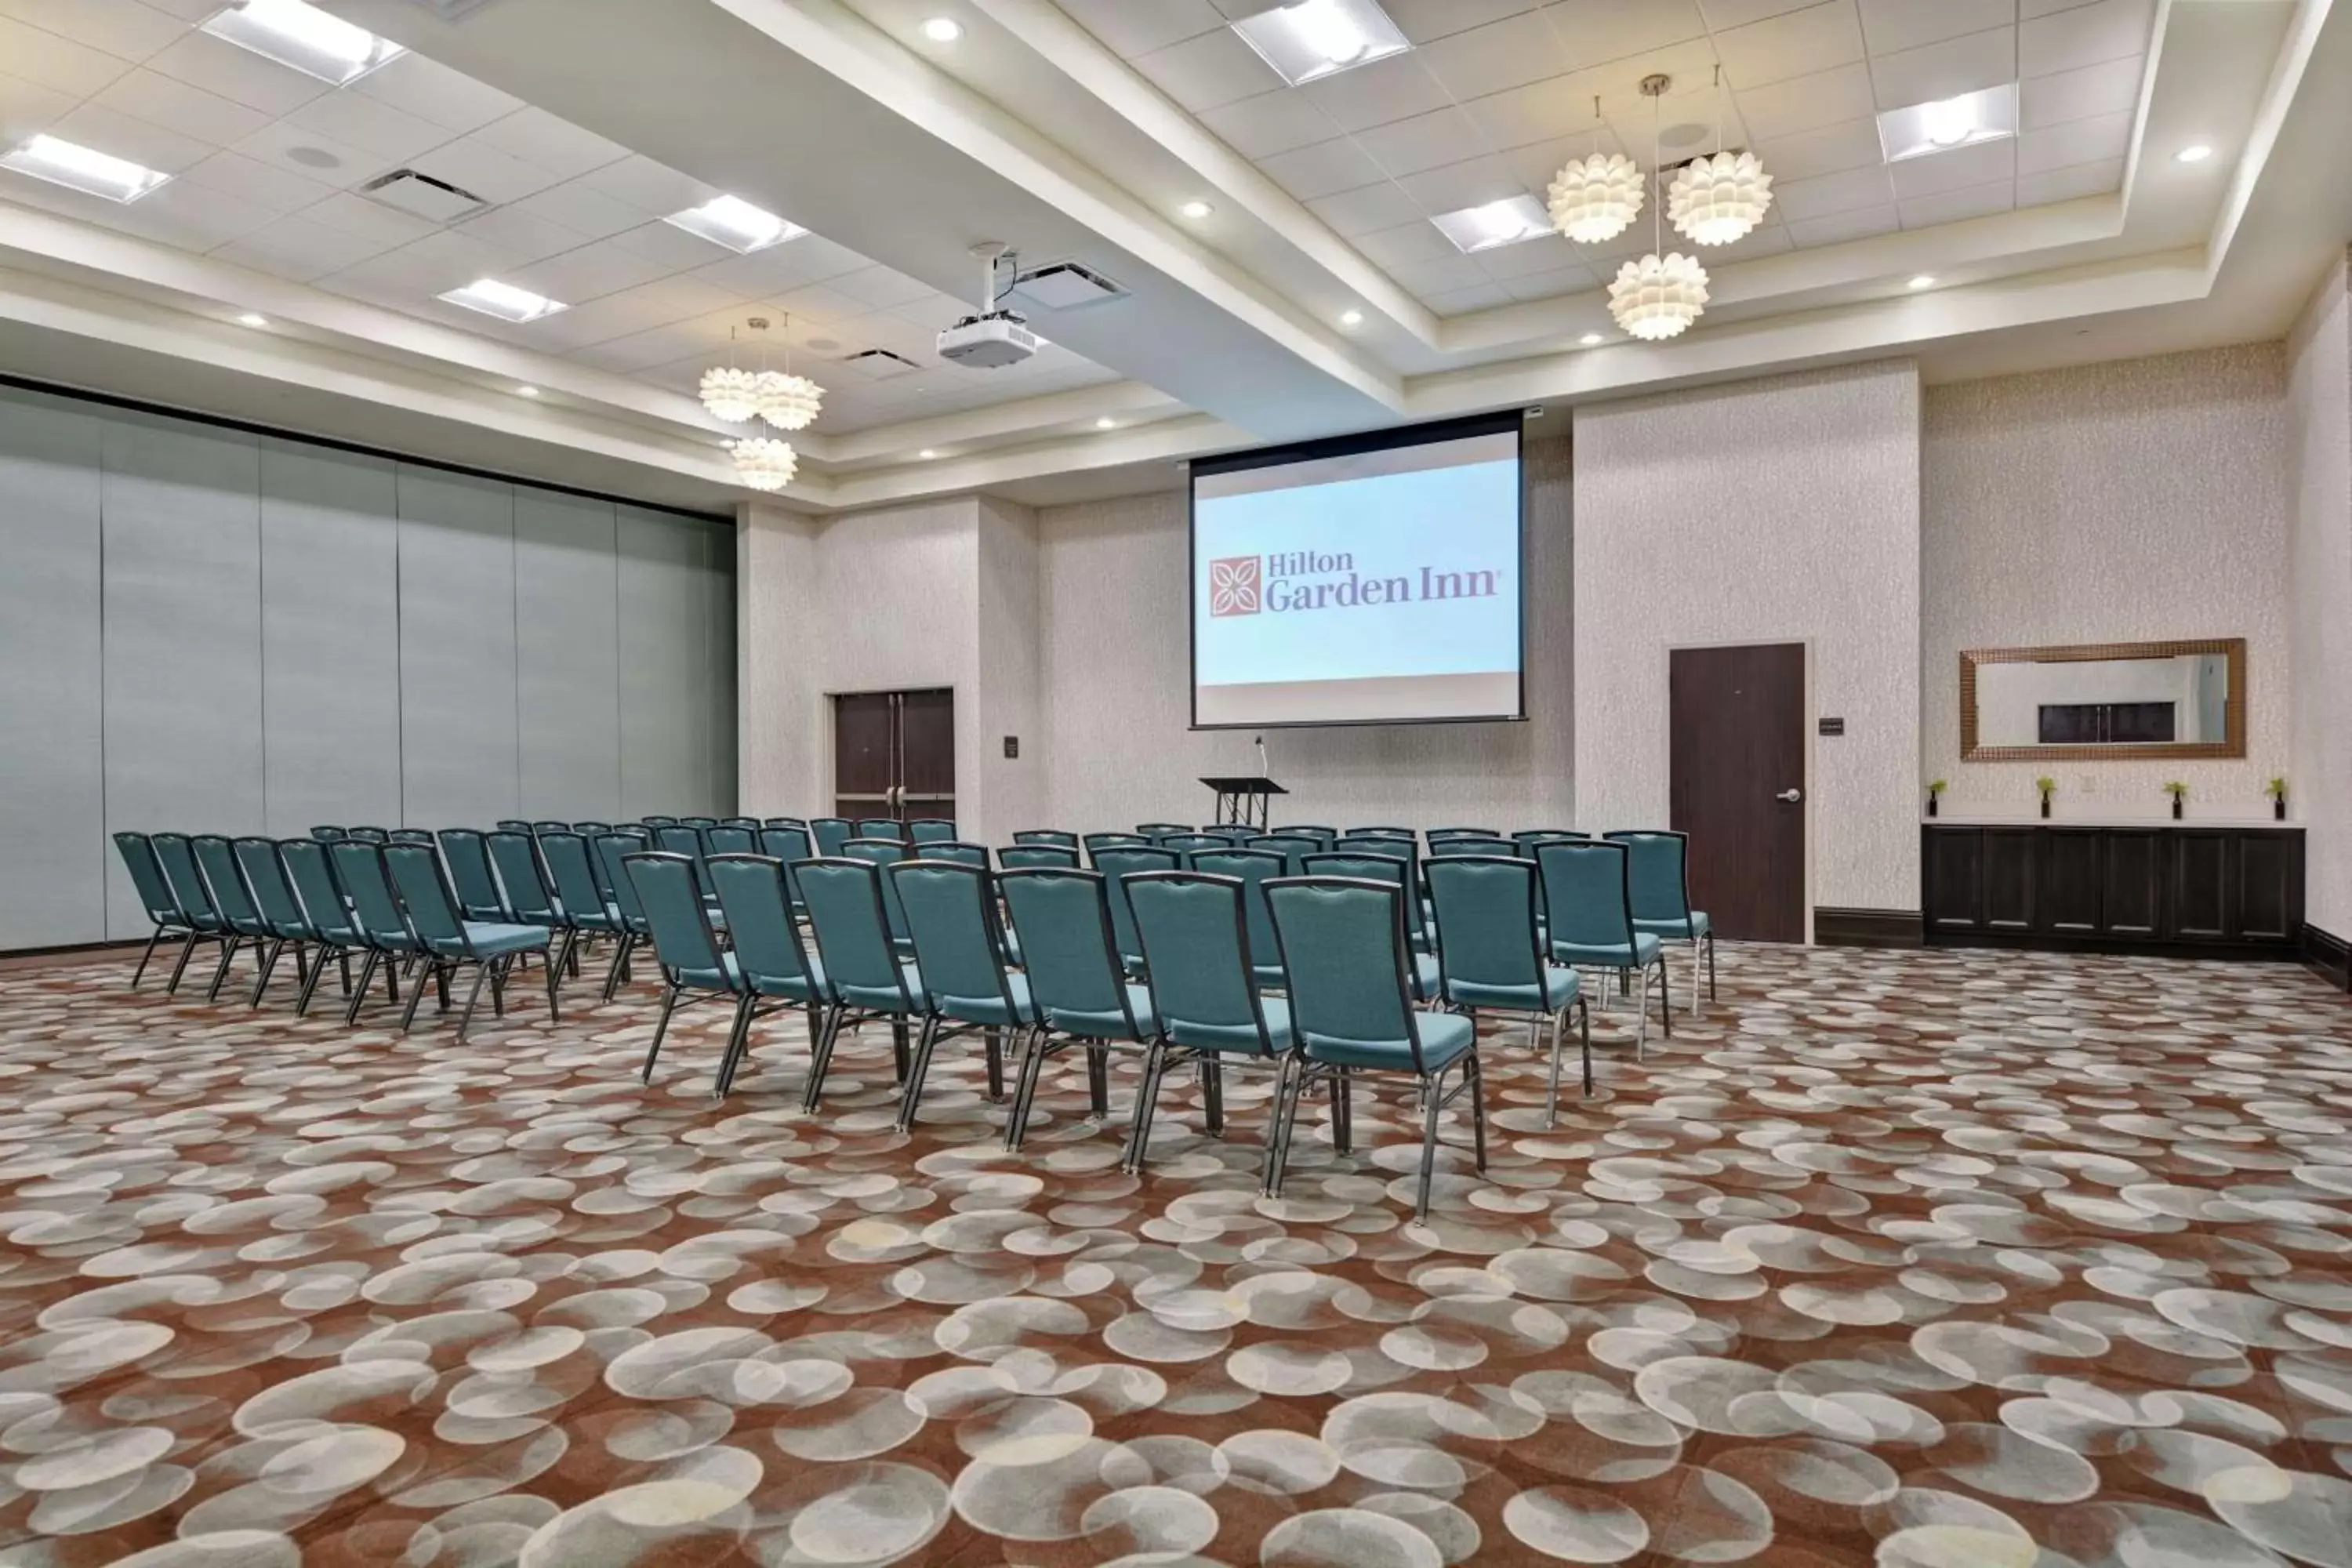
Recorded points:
1808,102
1365,209
1893,24
2111,86
1956,169
1397,87
1439,274
27,108
1425,142
433,265
1826,193
1321,169
1208,71
1271,122
1497,57
182,107
667,243
1424,20
1552,253
935,312
186,10
1598,31
264,184
589,272
126,30
49,60
1839,227
1539,111
1415,241
141,141
239,75
298,248
821,302
812,259
881,287
354,213
1133,27
1533,168
587,212
1553,285
2075,142
1477,297
1794,43
666,356
653,189
1472,183
431,91
539,138
2065,40
2065,184
1769,237
1828,150
528,237
1956,206
2029,9
284,145
358,120
1965,64
1725,14
472,164
190,217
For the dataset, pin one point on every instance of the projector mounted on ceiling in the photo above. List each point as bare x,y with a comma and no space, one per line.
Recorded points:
990,339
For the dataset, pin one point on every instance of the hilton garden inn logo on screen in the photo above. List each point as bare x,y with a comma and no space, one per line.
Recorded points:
1306,580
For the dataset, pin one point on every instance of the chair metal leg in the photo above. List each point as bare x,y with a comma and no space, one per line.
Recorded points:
1710,966
187,952
1428,1153
898,1050
343,964
821,1058
738,1034
927,1041
1287,1122
229,955
555,983
415,998
269,952
143,957
1475,1076
669,1005
1025,1088
622,943
1584,1017
994,1047
1098,1083
310,984
1268,1173
1343,1112
1665,993
474,994
1212,1095
1551,1089
498,968
1146,1101
360,992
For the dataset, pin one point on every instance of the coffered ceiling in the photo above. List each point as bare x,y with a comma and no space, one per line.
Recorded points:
1280,272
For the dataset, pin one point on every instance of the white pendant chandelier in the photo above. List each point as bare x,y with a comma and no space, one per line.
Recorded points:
1721,197
730,393
1596,197
1659,296
764,464
786,401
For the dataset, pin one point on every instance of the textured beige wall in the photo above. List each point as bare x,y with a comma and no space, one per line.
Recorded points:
1783,510
2131,501
1012,791
1117,685
2319,472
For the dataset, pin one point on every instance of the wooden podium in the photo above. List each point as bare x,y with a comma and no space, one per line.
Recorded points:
1243,802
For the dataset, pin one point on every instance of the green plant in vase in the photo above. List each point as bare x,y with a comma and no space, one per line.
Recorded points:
1935,787
2180,794
2276,790
2047,786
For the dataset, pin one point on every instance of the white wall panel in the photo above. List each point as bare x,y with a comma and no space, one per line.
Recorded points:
460,758
667,702
567,648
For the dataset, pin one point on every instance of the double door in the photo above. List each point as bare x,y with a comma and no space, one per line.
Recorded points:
894,755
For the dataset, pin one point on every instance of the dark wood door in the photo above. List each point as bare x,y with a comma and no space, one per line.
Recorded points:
2201,884
2071,883
1954,892
894,755
2270,887
2008,874
2131,901
1736,734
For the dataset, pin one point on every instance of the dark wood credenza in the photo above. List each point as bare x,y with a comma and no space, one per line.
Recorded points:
2184,889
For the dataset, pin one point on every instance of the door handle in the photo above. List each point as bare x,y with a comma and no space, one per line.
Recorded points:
1791,795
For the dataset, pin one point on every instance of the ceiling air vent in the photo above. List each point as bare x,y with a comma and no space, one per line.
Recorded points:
1065,286
880,365
422,195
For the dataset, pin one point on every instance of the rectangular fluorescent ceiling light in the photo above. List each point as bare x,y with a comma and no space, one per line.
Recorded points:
82,169
1948,123
504,300
736,223
304,38
1506,222
1312,38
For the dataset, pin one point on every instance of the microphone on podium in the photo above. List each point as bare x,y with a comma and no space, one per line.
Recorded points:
1261,757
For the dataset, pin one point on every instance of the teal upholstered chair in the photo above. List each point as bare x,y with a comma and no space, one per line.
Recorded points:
451,943
787,844
653,821
668,886
587,913
952,917
522,874
882,828
1054,835
281,911
1386,861
1350,977
155,897
1588,916
747,824
382,925
628,915
1077,981
549,826
799,822
1154,829
886,853
409,836
1293,850
1118,862
371,834
187,883
1190,843
1491,955
589,830
1253,869
775,968
1470,844
1380,832
1203,981
931,830
1038,857
1439,835
1321,835
217,860
683,838
327,833
1096,841
699,821
1659,884
510,825
828,834
468,860
310,866
866,977
952,852
1530,836
728,838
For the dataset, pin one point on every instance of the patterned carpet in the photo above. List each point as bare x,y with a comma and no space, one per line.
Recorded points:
1928,1260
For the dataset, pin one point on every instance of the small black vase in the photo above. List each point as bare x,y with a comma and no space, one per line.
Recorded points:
2176,808
2278,807
2045,806
1931,805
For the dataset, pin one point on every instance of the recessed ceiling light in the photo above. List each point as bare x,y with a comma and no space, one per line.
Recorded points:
1105,423
253,318
943,29
1196,209
1351,318
1919,129
303,38
1924,280
83,169
1311,38
504,300
1589,339
528,391
736,223
2195,153
926,454
1505,222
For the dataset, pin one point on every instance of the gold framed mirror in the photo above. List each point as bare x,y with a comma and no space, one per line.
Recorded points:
2105,701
